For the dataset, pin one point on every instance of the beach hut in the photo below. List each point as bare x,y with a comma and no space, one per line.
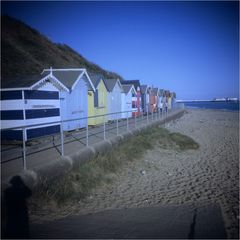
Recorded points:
137,100
166,100
73,96
97,101
153,99
145,92
169,100
173,96
156,95
128,98
23,105
160,99
114,88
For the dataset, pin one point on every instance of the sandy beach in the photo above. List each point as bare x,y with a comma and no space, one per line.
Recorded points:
169,176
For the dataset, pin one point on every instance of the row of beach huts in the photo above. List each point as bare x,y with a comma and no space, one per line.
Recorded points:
70,94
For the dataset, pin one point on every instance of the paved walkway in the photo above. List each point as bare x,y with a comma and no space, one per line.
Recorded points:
47,149
179,222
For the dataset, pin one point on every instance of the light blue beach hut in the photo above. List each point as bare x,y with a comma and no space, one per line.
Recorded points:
128,100
115,91
74,96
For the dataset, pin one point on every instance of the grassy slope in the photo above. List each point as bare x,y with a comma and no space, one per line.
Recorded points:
25,51
79,183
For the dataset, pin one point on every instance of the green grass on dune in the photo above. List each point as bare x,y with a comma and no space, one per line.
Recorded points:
79,183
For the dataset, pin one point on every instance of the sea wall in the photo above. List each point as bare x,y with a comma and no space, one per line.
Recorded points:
49,172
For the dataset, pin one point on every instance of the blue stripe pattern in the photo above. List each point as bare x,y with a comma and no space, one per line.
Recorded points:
12,115
38,94
38,132
42,113
11,95
31,133
11,135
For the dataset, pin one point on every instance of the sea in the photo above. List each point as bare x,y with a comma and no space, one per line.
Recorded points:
227,106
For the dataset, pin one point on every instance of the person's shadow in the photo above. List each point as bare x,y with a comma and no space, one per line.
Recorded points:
16,211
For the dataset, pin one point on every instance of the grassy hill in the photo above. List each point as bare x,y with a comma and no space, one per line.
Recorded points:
25,51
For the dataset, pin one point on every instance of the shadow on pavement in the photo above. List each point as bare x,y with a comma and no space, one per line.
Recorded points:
153,222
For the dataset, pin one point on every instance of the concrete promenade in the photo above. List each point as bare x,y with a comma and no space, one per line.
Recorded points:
165,222
47,150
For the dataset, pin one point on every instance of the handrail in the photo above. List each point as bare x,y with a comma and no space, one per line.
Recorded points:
130,119
62,121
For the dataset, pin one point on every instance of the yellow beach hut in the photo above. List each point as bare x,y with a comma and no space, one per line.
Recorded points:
97,101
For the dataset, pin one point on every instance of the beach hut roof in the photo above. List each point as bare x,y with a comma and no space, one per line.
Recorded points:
144,89
167,93
110,83
96,78
155,91
161,91
127,88
20,82
135,83
31,82
67,78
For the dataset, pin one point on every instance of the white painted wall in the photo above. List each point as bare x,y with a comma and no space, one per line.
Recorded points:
115,102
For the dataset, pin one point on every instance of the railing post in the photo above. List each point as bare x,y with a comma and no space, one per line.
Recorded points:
135,120
147,117
152,115
62,139
87,133
127,123
142,119
117,124
24,149
104,128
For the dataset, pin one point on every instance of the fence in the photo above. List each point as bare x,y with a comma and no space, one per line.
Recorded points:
85,136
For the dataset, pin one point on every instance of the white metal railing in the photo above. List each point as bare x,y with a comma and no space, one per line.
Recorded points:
136,121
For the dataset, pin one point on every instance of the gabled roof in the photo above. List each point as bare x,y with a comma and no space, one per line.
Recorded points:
96,79
20,82
144,88
173,94
161,91
69,77
166,93
136,83
127,88
155,91
110,83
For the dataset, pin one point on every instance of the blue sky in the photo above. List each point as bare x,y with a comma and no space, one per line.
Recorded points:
188,47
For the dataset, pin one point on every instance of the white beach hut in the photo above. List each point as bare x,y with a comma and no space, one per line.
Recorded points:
115,91
145,92
128,100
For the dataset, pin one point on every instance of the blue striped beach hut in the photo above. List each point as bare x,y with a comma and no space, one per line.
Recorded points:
47,98
22,105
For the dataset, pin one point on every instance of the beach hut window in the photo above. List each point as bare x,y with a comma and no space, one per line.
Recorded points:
96,98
